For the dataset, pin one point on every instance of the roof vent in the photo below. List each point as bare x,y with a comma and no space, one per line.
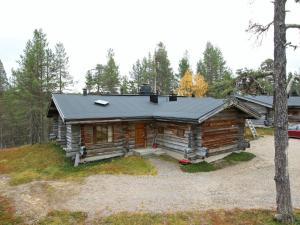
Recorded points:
173,98
154,98
101,102
84,92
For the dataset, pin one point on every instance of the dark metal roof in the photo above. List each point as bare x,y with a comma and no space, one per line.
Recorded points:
78,107
267,101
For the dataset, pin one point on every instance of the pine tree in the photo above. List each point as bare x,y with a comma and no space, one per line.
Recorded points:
50,72
165,81
184,65
89,81
137,74
3,79
125,86
223,88
213,65
61,63
110,78
99,70
143,72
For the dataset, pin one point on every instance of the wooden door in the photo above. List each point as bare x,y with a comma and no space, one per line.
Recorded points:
140,135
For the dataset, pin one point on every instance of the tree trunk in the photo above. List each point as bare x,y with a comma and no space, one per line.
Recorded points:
283,193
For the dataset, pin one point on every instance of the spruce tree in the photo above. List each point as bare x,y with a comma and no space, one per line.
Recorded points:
62,63
99,70
89,81
213,65
110,78
137,74
165,81
183,66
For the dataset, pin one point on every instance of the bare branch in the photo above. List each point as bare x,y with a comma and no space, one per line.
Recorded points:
258,29
289,44
297,26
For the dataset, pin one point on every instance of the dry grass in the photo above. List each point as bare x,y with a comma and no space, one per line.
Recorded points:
261,131
64,218
7,213
47,162
213,217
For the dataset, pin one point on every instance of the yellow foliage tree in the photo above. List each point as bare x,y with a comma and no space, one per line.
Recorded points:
189,86
186,84
200,86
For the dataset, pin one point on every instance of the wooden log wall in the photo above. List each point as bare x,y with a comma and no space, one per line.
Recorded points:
222,130
196,138
123,138
294,115
264,111
54,128
61,133
170,139
73,136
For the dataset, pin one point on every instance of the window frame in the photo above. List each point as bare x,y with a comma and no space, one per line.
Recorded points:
107,133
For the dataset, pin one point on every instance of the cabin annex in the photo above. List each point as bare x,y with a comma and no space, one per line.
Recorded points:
109,126
264,105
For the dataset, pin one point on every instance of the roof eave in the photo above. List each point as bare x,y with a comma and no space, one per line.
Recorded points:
255,101
231,102
58,109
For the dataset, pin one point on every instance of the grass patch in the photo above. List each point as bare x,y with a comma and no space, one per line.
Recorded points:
229,160
7,213
48,162
237,157
64,217
197,167
230,217
261,131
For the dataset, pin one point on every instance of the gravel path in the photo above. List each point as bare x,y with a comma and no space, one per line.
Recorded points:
246,185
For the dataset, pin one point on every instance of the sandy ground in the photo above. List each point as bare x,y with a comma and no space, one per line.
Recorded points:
246,185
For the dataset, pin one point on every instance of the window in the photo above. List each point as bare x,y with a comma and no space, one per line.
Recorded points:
103,133
180,133
160,130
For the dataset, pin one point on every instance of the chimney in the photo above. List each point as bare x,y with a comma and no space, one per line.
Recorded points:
173,98
84,92
154,98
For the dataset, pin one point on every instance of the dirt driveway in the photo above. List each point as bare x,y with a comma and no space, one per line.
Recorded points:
247,185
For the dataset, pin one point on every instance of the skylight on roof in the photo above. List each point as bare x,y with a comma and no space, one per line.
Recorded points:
101,102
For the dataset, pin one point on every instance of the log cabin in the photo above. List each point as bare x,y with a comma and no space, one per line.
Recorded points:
109,126
264,105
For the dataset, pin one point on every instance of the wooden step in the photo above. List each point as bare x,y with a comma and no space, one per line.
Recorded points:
97,157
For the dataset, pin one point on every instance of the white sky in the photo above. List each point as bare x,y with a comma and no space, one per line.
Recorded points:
87,28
